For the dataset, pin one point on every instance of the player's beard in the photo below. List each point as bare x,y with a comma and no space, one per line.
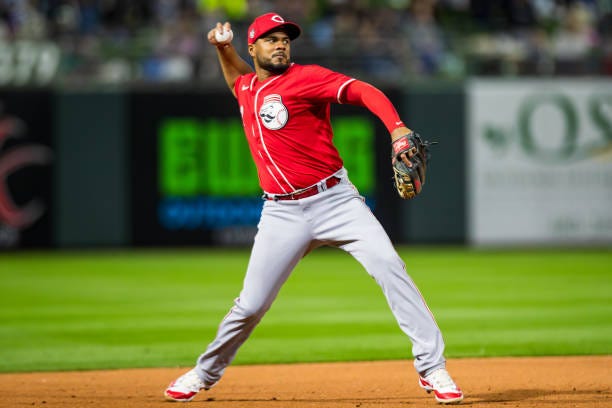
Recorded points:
270,66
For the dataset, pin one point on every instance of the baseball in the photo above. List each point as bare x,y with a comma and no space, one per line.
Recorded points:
224,36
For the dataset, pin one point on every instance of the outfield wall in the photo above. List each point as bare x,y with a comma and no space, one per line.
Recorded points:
518,163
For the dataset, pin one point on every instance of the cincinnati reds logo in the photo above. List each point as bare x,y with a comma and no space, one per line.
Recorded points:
11,161
276,18
273,113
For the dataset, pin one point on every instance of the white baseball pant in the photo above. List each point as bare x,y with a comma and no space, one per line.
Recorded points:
287,231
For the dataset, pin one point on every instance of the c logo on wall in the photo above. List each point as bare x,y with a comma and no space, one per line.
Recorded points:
16,154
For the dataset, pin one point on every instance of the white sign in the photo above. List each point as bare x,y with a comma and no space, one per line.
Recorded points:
540,161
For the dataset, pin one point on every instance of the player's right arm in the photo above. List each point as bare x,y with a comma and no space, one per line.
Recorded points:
231,63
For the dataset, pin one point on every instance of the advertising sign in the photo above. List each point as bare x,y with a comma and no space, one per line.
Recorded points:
194,181
540,162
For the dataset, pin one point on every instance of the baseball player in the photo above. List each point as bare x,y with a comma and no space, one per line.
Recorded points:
309,200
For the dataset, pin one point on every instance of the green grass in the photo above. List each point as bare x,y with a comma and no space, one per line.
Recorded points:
90,310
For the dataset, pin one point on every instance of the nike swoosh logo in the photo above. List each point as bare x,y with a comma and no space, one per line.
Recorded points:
399,123
245,87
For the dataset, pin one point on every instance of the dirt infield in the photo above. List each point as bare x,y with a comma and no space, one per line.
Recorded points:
493,382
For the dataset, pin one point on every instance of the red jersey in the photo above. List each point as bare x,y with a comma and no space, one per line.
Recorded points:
286,120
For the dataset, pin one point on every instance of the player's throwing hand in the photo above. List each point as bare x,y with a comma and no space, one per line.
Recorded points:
221,35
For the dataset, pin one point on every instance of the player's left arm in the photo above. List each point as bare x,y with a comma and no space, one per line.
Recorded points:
366,95
409,153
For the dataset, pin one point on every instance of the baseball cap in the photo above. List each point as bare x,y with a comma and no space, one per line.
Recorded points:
271,22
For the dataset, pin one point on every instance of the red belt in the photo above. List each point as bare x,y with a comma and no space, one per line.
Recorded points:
308,192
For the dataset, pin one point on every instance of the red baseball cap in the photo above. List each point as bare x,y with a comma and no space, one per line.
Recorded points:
272,22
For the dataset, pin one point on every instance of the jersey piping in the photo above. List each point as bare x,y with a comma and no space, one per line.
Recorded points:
263,143
344,85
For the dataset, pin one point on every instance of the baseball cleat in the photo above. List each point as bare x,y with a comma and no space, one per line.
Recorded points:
443,387
184,388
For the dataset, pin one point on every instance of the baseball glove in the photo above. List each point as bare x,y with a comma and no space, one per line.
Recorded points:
409,180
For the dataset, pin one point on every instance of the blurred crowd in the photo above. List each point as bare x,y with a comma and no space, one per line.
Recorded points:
119,41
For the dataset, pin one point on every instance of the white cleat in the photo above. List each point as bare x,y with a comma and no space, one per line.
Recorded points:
443,386
185,388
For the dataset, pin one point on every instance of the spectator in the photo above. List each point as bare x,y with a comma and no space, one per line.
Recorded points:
573,42
425,36
605,32
23,20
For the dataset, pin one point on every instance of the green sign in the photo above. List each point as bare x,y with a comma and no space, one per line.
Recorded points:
212,157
